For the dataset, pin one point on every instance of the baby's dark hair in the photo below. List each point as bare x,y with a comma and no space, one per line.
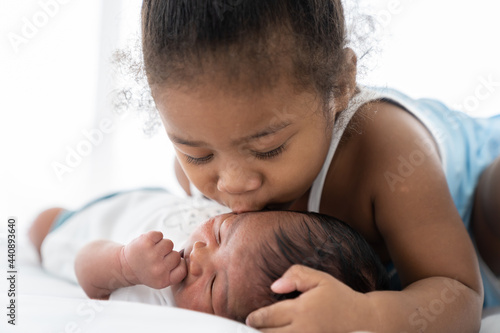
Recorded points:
323,243
182,39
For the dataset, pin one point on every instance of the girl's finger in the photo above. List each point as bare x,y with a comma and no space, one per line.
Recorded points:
276,315
300,278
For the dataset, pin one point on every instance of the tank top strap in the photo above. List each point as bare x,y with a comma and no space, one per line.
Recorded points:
339,127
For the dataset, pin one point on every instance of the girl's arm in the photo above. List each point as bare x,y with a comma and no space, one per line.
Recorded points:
422,231
103,266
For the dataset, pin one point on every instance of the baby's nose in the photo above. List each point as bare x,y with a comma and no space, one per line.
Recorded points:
197,258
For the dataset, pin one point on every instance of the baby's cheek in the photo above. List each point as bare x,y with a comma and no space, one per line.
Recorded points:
189,298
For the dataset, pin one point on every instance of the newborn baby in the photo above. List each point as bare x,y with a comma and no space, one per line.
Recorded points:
227,264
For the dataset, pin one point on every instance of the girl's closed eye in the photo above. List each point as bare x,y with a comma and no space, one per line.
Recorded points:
270,154
198,160
259,155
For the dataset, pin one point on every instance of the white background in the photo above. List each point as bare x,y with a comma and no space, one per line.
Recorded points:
56,86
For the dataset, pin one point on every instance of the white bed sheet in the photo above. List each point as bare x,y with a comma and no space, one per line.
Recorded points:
47,303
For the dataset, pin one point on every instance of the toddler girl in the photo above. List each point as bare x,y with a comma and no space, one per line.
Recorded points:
261,103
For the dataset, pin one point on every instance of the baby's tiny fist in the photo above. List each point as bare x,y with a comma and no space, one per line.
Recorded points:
154,236
164,247
178,273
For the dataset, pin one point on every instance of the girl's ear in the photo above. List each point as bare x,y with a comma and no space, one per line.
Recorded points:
346,81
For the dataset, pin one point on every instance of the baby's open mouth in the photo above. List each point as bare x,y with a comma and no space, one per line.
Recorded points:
181,252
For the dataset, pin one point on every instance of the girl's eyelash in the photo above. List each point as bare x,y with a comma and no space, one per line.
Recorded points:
261,156
270,154
198,160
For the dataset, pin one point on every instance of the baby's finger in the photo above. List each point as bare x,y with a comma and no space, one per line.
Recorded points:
172,260
154,236
164,247
178,273
277,315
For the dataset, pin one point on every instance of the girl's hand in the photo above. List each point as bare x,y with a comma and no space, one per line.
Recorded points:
325,305
149,260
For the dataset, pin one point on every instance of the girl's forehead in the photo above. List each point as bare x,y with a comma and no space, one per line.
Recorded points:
216,90
212,107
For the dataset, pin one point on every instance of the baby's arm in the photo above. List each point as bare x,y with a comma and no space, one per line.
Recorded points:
104,266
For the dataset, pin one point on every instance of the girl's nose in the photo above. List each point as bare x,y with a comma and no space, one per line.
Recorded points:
198,259
238,181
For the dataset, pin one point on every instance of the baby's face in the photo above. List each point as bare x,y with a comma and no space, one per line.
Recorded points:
221,264
246,150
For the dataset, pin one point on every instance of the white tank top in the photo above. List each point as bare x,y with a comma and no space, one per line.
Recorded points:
364,96
424,113
338,130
